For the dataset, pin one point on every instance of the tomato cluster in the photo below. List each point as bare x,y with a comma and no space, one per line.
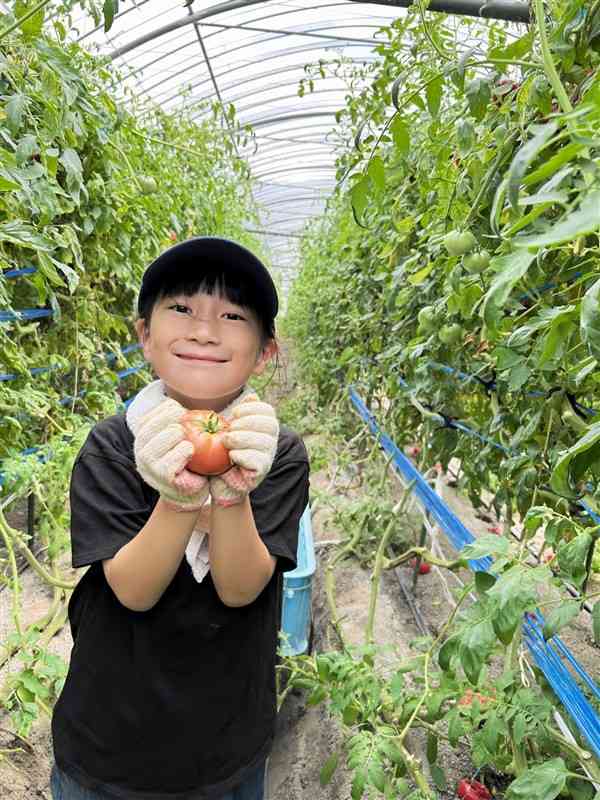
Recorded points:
473,790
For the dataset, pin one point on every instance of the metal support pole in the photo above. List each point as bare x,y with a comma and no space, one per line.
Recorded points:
508,10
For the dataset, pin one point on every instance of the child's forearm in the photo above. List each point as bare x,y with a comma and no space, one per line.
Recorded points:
142,569
240,564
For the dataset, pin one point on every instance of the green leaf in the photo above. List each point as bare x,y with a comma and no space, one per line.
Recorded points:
524,157
111,8
585,219
590,319
328,769
74,169
559,617
358,785
418,277
434,95
562,477
447,651
487,545
475,643
478,94
359,196
510,268
572,557
32,27
432,747
8,185
376,775
455,727
376,172
25,235
14,112
483,581
465,136
439,777
400,135
541,782
519,727
596,621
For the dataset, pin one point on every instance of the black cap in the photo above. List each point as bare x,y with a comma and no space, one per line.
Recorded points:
194,255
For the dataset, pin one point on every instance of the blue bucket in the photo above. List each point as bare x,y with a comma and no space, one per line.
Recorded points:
296,612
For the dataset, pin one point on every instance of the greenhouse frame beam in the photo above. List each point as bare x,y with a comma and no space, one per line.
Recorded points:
508,10
285,53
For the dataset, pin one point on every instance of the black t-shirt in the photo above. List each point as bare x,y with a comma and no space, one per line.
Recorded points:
177,702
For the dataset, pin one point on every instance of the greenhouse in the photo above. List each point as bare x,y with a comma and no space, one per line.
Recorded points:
299,374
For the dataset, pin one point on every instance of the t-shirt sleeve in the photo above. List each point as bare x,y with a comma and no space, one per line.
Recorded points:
108,507
278,504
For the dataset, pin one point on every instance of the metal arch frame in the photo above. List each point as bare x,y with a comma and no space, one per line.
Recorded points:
257,77
290,201
244,65
288,113
298,157
243,109
292,187
296,153
254,19
344,40
290,190
513,10
282,118
304,168
198,16
272,87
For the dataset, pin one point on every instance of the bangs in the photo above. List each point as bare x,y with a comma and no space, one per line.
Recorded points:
216,281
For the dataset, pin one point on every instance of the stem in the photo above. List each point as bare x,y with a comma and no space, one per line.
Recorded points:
167,144
31,559
379,563
549,68
23,19
15,574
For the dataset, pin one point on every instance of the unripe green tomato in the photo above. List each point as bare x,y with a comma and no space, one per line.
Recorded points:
500,133
147,184
426,318
476,262
450,334
458,243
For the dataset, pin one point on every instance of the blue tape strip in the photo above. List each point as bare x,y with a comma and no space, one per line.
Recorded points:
16,273
561,680
24,314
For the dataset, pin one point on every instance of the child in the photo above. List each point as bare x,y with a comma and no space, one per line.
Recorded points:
170,693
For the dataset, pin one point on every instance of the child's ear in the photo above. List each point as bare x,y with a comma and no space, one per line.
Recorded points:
265,355
142,334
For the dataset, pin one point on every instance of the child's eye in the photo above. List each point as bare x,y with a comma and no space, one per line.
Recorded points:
234,314
178,307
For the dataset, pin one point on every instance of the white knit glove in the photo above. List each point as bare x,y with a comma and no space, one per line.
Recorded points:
161,453
252,444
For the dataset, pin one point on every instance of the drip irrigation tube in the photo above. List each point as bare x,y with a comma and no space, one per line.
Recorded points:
548,660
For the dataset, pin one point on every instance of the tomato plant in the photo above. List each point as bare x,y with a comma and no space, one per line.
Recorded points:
205,430
456,276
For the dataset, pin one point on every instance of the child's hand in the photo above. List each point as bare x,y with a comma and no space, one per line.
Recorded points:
161,453
252,444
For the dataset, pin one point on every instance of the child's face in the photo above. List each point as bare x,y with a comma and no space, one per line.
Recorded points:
204,348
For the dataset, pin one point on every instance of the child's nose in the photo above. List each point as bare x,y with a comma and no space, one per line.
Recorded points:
204,330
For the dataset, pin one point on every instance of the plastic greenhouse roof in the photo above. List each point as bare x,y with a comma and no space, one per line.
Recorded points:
251,55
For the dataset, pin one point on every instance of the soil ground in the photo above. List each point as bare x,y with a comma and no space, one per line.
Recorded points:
306,735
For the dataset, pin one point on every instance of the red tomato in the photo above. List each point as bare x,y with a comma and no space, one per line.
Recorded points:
172,236
205,429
